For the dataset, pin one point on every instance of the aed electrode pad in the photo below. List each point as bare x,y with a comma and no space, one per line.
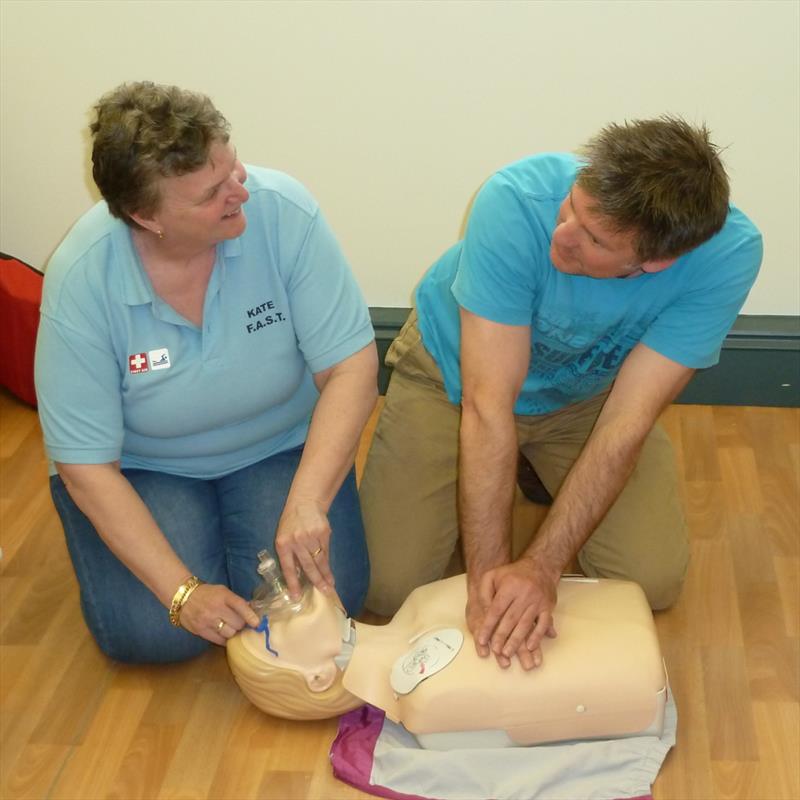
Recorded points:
428,656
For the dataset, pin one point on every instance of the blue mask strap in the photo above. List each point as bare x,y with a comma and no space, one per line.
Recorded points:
263,627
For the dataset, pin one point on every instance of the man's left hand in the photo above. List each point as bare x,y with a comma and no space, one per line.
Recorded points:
517,602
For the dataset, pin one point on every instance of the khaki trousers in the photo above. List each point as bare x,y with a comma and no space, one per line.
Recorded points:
408,490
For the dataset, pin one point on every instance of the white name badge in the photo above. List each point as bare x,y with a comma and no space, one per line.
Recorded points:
429,655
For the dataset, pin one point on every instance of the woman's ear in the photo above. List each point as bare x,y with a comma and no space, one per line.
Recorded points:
148,223
322,678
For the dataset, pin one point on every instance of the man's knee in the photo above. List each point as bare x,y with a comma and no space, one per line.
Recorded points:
386,596
661,579
662,576
385,600
662,586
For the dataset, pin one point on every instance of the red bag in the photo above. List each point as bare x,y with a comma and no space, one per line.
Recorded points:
20,297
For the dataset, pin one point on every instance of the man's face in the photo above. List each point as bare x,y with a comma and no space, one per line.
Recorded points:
585,243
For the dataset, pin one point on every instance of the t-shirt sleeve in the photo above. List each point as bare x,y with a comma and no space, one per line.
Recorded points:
496,275
691,330
78,391
330,315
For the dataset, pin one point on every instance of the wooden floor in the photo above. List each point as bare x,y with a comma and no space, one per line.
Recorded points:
74,725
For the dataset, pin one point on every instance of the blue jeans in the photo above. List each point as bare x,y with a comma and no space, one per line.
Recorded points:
216,527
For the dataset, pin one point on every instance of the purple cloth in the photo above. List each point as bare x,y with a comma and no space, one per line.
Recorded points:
352,754
352,749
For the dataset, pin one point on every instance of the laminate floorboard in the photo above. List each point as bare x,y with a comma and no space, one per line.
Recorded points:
76,726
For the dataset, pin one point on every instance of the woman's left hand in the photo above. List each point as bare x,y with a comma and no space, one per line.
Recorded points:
302,540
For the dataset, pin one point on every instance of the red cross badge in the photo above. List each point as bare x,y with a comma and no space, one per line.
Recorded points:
137,363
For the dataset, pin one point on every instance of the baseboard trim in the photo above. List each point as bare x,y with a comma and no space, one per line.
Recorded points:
759,364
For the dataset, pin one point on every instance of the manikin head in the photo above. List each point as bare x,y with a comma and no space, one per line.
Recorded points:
303,680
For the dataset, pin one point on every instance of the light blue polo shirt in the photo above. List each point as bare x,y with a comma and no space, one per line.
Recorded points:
121,375
581,328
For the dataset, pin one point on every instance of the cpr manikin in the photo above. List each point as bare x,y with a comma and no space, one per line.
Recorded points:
602,677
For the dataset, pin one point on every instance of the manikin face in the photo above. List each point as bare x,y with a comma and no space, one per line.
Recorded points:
202,208
308,642
584,243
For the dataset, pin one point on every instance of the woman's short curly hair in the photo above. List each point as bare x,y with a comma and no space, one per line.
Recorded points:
661,179
144,131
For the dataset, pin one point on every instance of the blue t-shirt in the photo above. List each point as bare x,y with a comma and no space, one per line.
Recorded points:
121,375
581,328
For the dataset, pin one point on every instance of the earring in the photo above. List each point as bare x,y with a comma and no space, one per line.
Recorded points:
160,234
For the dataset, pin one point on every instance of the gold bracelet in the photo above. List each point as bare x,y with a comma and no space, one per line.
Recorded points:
181,596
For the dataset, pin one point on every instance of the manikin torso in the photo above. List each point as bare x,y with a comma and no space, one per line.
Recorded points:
602,676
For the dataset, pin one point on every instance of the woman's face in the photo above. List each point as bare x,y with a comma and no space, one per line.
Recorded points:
204,207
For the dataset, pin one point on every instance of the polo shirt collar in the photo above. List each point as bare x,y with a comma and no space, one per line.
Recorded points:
136,287
231,248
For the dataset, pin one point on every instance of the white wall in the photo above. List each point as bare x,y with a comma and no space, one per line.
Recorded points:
393,113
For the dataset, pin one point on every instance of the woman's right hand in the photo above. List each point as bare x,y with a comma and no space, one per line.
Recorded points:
212,604
303,541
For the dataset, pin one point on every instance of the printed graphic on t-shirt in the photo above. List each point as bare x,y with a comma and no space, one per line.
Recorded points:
577,362
159,359
262,316
137,363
